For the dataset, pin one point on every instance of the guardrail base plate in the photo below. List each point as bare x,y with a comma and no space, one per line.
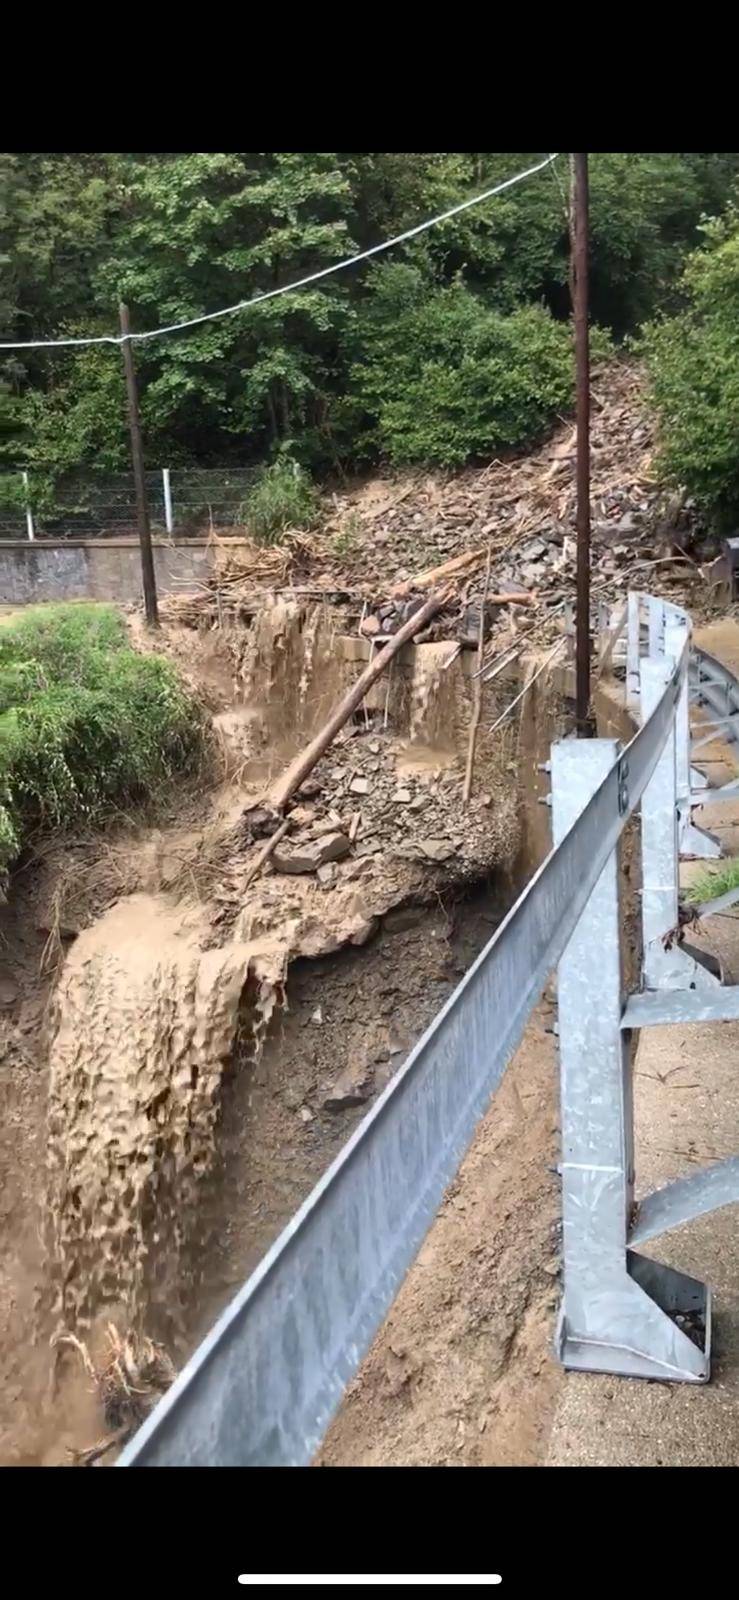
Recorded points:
654,1319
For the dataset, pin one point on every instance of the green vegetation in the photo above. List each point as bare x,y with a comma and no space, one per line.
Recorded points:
477,357
694,363
710,885
282,497
446,378
85,721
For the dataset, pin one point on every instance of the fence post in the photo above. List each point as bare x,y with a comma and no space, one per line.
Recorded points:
168,519
616,1306
29,513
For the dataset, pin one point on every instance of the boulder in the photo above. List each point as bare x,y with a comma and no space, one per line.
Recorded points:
436,849
310,855
352,1087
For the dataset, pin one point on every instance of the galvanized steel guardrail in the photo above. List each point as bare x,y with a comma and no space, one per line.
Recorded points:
263,1386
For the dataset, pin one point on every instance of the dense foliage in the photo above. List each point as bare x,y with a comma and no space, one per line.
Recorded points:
445,377
477,357
85,721
694,364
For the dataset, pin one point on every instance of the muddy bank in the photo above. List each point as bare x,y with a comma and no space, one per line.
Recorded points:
348,1021
461,1373
183,1130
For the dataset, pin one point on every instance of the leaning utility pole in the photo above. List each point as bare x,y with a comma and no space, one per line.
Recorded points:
137,456
579,279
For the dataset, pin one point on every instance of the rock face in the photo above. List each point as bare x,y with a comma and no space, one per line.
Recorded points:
313,854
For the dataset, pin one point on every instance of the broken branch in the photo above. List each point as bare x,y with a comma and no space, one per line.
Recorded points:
266,852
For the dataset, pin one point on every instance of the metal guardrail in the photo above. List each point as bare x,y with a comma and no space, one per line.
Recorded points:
263,1386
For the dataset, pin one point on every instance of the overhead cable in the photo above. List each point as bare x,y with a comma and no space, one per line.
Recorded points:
288,288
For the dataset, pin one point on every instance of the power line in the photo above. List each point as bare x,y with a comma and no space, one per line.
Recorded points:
300,283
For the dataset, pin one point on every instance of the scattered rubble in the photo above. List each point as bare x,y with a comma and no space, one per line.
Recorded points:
520,506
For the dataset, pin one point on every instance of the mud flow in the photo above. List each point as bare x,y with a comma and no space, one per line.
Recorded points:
187,1044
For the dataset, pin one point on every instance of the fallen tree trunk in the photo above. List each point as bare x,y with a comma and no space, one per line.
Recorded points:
522,597
306,760
422,580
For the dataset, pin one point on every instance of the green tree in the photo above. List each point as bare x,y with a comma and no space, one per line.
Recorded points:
203,231
693,360
444,377
177,235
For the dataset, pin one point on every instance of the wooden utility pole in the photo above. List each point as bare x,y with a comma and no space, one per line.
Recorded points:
137,457
579,243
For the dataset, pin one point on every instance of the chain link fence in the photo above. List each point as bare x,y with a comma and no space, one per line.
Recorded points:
184,501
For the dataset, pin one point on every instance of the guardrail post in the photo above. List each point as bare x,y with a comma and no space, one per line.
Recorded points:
632,648
667,963
617,1307
656,613
693,842
597,1165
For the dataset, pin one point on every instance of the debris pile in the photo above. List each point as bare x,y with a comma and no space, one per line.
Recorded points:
130,1377
374,821
242,571
524,506
375,538
359,804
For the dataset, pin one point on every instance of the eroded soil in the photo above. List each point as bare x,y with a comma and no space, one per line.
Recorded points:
185,1052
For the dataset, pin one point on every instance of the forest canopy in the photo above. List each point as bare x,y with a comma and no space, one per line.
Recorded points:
451,346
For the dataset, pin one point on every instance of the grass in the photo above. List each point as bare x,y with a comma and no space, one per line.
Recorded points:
714,883
86,723
283,497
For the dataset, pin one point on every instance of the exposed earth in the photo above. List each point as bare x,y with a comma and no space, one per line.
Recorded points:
189,1035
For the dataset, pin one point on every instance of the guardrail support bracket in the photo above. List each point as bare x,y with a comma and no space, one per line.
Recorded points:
620,1313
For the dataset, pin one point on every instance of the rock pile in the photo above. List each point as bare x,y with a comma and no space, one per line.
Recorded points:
357,809
376,539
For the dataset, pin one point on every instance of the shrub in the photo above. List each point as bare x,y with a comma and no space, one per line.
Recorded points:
693,360
85,721
446,378
282,497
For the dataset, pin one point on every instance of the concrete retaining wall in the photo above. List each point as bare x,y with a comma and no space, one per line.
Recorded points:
96,569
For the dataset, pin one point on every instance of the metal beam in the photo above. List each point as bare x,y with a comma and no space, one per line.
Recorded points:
666,1006
707,1190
